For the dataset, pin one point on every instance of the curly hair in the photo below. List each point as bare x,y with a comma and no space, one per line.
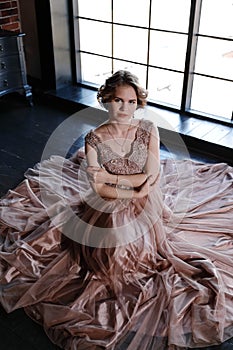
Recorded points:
106,92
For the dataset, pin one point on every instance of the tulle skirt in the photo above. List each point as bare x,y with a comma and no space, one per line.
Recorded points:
150,273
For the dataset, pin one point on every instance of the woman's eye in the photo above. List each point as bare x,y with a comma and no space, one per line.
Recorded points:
117,100
132,102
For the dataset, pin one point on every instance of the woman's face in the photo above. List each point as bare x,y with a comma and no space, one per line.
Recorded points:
123,105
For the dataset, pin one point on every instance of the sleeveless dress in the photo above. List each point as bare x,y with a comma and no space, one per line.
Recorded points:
138,274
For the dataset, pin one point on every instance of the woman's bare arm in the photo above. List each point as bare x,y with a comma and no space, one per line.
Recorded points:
100,187
100,175
138,185
152,167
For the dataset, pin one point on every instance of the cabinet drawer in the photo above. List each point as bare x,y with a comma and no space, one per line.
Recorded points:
13,76
9,63
10,80
8,46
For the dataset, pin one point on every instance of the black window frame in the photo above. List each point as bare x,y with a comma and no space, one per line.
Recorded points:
189,69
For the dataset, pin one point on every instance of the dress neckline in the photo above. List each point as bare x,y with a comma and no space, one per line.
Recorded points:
131,147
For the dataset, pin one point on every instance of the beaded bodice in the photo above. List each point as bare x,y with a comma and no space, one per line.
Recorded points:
134,161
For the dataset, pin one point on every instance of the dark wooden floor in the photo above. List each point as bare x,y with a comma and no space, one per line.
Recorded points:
24,133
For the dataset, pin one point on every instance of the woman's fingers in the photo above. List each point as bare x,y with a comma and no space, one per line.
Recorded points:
96,174
92,172
92,169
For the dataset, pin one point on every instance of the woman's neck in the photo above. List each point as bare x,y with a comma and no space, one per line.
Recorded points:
120,127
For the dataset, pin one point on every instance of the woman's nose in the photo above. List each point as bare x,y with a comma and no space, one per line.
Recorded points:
124,106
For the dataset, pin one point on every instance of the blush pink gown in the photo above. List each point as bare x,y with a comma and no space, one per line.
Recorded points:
152,273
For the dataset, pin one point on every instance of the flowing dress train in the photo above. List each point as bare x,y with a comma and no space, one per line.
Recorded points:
152,273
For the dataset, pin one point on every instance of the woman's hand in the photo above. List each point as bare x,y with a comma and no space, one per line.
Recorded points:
153,179
147,187
98,175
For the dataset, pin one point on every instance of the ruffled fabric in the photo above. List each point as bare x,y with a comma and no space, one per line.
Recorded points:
159,276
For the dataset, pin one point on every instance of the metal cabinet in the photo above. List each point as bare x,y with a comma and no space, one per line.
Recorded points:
13,75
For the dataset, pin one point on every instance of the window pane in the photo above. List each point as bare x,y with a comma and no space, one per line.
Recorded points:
217,18
168,50
95,69
130,43
170,15
91,34
95,9
212,96
138,70
165,87
134,12
214,57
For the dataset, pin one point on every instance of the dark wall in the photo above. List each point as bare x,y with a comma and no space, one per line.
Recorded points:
47,43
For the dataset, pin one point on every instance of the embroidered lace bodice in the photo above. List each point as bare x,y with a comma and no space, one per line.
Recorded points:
131,163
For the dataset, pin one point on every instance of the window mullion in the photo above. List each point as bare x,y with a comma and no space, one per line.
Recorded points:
148,45
195,14
72,41
112,17
76,38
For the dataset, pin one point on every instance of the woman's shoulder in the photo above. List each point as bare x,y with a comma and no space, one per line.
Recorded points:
146,124
100,129
94,136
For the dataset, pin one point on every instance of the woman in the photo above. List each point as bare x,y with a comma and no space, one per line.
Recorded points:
119,134
112,261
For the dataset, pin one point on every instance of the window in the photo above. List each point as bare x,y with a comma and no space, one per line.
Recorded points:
213,74
181,50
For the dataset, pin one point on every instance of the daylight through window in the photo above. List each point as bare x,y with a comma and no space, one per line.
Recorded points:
181,50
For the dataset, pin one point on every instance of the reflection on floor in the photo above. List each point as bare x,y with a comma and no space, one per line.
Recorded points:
25,138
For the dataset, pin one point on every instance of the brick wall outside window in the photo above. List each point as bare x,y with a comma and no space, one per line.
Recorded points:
9,15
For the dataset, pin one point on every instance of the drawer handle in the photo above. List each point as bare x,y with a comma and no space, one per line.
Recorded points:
1,47
3,65
5,82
